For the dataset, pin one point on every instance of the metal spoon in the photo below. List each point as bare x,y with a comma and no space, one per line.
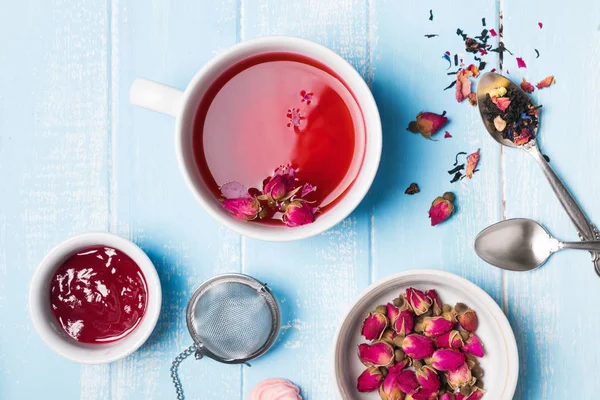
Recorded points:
585,228
522,245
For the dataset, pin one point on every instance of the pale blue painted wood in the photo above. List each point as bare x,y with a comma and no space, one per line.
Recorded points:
315,279
167,42
409,75
53,168
553,310
75,156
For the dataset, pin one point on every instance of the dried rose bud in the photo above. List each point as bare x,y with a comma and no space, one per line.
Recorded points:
446,308
298,213
392,312
460,377
441,209
526,86
388,336
401,303
399,355
473,346
390,388
422,394
407,381
418,301
278,187
417,347
448,396
472,161
404,323
428,378
451,340
447,359
449,315
399,366
436,304
381,310
466,317
427,124
378,354
246,208
369,380
436,326
477,394
477,371
499,124
373,326
549,80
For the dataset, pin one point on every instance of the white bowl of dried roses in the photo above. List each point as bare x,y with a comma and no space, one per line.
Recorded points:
427,334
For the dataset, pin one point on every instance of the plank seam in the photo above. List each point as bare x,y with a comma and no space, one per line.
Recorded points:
502,163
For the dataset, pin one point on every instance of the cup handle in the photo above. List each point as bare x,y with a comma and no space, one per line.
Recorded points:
156,97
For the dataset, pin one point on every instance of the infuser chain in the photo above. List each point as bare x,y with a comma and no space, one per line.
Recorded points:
175,369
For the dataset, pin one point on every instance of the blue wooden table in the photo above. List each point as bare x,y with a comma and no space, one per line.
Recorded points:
75,156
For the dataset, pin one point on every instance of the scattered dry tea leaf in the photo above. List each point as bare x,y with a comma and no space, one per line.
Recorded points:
412,189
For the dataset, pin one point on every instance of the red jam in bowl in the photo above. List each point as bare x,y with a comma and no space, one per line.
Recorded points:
98,295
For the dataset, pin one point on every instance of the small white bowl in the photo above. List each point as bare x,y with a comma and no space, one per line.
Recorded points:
501,361
48,328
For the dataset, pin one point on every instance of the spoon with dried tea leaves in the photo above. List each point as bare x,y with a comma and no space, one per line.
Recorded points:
522,245
512,120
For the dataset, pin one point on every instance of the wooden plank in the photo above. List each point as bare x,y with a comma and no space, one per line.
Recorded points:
317,278
168,42
553,308
53,168
409,75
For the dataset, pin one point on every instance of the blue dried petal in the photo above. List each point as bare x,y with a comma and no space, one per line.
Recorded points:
525,116
447,58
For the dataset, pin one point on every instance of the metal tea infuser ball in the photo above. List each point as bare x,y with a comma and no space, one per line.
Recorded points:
233,319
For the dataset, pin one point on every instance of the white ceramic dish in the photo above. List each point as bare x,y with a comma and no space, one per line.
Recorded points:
183,106
501,361
47,326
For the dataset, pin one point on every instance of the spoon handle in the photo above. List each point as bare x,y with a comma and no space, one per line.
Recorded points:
587,231
590,246
583,225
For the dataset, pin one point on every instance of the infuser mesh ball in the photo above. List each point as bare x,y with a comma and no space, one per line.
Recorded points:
233,318
232,321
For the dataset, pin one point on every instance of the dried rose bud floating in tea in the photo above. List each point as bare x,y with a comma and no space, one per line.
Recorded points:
434,356
272,111
98,295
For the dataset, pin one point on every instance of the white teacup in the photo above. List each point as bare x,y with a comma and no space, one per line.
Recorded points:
183,106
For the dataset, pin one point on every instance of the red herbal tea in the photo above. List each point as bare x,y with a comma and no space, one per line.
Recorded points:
98,295
279,115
